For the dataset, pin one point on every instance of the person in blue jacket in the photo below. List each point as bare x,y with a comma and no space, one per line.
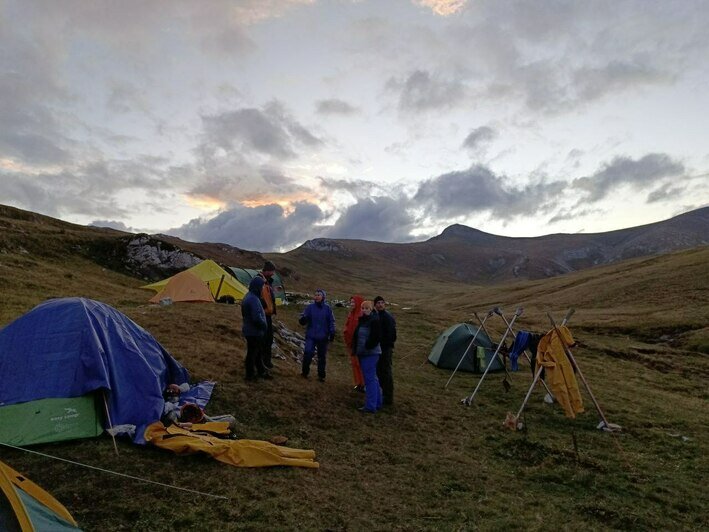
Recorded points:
367,338
254,327
320,330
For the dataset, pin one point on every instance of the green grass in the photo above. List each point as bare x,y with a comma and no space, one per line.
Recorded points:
428,462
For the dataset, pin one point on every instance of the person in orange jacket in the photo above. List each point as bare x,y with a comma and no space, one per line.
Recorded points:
268,301
348,333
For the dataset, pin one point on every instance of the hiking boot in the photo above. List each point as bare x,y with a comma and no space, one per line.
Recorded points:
251,378
304,375
321,379
269,365
266,376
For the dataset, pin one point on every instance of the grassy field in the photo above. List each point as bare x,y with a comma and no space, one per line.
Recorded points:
427,462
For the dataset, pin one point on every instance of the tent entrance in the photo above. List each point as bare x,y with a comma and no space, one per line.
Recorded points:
48,420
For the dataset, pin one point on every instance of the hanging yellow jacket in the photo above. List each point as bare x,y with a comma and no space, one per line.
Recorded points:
558,370
239,453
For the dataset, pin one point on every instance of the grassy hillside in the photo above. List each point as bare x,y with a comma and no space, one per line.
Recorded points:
428,462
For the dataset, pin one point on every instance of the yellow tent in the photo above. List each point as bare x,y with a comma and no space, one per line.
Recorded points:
184,286
27,507
219,281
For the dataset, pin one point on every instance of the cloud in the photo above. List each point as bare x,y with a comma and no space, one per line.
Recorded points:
421,92
478,137
269,131
382,219
112,224
263,228
356,187
443,7
665,192
334,107
642,173
478,189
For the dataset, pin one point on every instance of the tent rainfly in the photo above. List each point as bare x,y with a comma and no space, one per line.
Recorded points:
185,286
25,507
221,283
452,344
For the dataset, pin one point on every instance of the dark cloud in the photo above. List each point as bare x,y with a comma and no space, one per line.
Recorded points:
334,107
667,191
479,137
382,219
357,188
642,173
269,131
478,189
421,92
264,228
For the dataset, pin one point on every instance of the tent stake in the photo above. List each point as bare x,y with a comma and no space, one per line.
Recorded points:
472,342
110,424
468,400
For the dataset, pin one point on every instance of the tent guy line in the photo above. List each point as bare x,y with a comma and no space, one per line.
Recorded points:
115,472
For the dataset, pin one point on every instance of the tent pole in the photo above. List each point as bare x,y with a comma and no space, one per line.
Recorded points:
219,288
468,400
499,356
514,336
469,346
110,424
583,379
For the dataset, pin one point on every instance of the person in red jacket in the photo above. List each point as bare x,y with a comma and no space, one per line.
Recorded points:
348,333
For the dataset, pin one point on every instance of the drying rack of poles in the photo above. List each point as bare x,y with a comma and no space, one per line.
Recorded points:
468,400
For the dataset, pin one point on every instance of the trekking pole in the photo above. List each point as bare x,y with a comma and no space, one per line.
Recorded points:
110,424
537,376
468,400
472,342
583,379
514,336
499,355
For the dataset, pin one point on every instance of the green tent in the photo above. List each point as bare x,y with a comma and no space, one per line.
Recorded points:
453,343
244,276
49,420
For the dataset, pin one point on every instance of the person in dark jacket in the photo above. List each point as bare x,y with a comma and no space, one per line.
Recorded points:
385,371
320,323
254,327
366,340
268,301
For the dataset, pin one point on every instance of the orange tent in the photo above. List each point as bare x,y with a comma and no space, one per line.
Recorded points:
185,286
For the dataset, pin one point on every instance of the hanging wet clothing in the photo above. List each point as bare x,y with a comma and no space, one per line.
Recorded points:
559,371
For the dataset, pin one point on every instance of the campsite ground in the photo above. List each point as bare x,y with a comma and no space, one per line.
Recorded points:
427,462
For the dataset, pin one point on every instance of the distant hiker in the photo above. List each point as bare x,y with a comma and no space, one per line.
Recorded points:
320,323
385,371
254,327
348,333
367,337
268,301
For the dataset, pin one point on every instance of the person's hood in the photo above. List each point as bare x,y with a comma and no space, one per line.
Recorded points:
256,285
357,309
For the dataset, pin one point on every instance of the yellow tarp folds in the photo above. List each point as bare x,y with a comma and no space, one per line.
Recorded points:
559,371
239,453
219,281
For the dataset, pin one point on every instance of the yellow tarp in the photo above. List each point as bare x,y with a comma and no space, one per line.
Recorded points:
559,371
219,281
239,453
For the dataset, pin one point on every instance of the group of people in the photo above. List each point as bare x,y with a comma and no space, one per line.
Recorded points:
369,334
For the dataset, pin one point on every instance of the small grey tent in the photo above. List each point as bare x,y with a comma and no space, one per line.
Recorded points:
244,276
452,344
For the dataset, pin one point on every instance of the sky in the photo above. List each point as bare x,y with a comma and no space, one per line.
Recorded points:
265,123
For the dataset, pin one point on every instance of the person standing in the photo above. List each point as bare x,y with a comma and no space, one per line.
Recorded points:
268,301
367,337
348,333
254,327
320,331
385,371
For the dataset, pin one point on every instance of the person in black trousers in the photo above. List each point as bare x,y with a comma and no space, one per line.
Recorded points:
254,327
385,371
